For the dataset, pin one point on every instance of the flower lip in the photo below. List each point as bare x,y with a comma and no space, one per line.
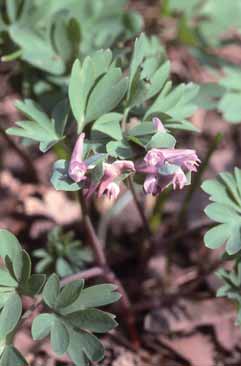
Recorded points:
151,184
111,191
77,171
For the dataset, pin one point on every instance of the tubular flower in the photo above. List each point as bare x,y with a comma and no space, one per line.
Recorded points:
108,184
167,166
77,167
158,125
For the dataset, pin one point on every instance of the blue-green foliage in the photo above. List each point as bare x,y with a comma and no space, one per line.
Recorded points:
225,192
71,315
50,34
63,254
102,98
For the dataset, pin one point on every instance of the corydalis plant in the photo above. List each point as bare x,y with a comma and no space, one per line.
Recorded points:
70,316
113,116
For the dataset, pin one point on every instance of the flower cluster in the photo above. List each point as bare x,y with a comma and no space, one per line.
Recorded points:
79,168
162,168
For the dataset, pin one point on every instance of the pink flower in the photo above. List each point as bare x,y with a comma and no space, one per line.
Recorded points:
112,172
108,185
109,182
151,184
167,166
112,190
158,125
77,167
186,159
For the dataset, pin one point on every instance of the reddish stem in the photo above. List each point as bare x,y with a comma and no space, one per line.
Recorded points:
109,275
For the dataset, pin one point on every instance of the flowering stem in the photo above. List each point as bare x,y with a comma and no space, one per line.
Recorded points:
148,244
108,274
94,241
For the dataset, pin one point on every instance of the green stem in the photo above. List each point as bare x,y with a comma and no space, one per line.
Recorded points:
139,208
124,120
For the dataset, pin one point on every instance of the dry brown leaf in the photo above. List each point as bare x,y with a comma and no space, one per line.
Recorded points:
196,349
55,205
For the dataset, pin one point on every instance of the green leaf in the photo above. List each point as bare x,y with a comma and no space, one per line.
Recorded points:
82,80
158,80
34,285
10,315
5,292
39,128
209,95
60,116
137,59
59,337
94,296
142,129
84,343
91,346
22,266
9,245
176,104
36,50
229,105
60,178
226,211
41,326
69,293
120,149
93,319
75,350
221,213
51,290
107,94
161,140
11,356
6,279
12,7
109,124
217,236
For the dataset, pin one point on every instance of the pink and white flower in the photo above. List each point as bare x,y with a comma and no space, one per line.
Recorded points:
77,167
167,166
108,185
158,125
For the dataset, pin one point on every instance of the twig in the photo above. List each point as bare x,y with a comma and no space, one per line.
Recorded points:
84,275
